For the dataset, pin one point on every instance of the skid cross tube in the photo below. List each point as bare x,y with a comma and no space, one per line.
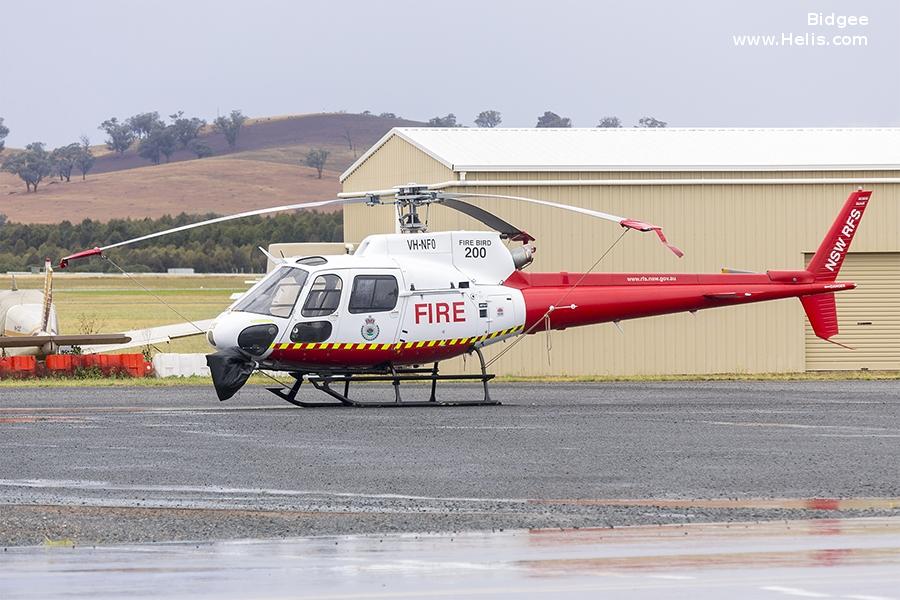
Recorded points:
395,377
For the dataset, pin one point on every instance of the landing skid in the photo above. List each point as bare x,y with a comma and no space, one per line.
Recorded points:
324,383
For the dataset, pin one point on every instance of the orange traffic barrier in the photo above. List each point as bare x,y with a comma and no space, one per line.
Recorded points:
135,365
59,364
132,365
18,366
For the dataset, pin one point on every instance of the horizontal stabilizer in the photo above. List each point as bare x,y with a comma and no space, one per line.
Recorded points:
730,271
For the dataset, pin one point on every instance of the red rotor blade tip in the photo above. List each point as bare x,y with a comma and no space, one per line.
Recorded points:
641,226
64,262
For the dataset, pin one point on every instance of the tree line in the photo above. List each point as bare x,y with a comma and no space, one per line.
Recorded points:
157,139
35,162
492,118
230,247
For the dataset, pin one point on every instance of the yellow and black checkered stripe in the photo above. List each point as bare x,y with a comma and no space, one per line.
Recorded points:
399,345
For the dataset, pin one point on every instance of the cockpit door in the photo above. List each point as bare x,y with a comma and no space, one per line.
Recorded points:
373,307
315,320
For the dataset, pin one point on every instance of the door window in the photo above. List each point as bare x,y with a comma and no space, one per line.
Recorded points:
373,293
311,331
324,296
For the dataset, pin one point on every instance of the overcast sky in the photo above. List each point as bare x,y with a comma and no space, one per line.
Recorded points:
67,65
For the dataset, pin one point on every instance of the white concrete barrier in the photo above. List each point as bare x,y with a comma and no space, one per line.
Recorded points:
180,365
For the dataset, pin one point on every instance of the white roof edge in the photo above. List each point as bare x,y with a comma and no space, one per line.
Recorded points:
453,147
665,168
395,131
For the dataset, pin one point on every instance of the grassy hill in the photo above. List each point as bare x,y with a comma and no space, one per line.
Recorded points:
220,185
264,170
285,137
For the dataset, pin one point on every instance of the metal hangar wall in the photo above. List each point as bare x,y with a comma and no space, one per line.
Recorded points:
752,199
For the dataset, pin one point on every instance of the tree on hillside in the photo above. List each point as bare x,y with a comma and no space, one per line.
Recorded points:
650,122
63,159
551,119
388,115
168,142
158,143
186,130
85,159
120,135
4,131
488,118
349,139
316,158
610,122
143,123
31,165
230,126
448,121
201,149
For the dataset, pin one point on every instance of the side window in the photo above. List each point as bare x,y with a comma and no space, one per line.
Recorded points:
373,293
324,296
312,331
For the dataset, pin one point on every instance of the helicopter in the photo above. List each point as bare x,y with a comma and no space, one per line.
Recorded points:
29,326
404,302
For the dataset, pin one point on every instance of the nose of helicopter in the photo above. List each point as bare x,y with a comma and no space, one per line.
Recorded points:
240,339
243,332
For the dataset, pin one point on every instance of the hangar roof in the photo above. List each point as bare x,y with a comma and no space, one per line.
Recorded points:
651,149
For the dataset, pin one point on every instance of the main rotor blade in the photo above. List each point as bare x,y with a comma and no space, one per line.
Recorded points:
64,262
33,341
491,220
624,222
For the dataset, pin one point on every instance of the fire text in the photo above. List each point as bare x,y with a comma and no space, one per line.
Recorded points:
440,312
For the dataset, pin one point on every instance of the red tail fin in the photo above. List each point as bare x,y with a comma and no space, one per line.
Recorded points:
822,314
827,261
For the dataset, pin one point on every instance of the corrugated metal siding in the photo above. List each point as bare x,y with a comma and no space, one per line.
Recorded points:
742,226
868,317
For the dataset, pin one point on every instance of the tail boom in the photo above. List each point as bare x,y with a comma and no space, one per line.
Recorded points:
602,298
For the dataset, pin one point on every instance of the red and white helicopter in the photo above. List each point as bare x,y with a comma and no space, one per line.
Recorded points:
415,298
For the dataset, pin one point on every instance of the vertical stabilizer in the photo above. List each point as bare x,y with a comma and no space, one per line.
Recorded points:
827,261
822,314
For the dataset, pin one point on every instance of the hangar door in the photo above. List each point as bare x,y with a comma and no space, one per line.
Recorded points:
868,317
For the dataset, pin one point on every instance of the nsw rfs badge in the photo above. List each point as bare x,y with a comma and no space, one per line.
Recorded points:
370,329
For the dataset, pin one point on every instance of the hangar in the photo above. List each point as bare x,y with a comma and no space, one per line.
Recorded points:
752,199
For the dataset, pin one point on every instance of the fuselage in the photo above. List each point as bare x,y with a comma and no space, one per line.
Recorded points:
408,299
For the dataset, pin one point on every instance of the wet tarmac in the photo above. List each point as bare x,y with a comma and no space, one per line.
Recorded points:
856,559
121,465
